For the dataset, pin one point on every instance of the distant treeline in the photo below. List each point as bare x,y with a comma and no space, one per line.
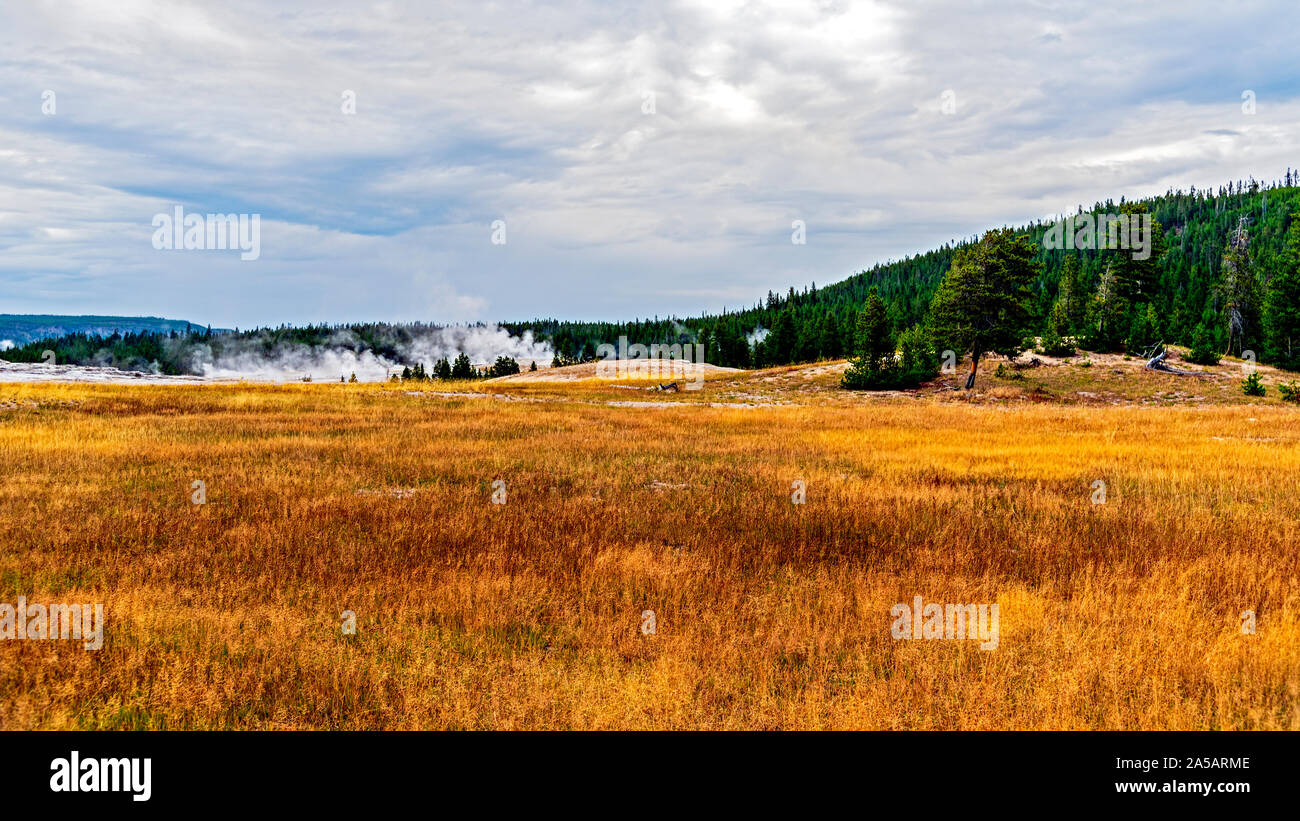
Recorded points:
146,351
186,351
1222,277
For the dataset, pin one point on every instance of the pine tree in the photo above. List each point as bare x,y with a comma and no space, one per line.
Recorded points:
1106,313
831,340
1203,351
779,347
1070,297
875,366
984,303
873,340
461,368
917,358
1282,304
703,343
1054,342
1136,279
504,366
1143,330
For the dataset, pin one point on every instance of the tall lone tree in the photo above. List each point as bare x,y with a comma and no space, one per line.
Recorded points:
874,337
1239,290
984,304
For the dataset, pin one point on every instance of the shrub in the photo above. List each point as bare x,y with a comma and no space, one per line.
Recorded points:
1003,372
1253,385
861,376
1202,352
917,355
504,366
1053,344
880,370
1290,391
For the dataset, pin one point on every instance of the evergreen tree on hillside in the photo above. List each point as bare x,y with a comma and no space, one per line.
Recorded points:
1119,315
806,340
1054,341
1070,297
831,339
733,350
874,366
1203,350
917,359
1282,304
703,349
874,338
779,346
1144,330
1106,313
1136,280
984,305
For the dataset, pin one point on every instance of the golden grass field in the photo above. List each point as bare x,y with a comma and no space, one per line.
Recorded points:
377,499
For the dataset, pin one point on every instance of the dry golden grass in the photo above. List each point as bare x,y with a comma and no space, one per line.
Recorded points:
526,615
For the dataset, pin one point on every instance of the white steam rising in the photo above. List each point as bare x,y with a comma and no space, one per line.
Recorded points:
344,354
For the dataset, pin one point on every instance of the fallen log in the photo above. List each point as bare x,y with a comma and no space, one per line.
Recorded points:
1156,362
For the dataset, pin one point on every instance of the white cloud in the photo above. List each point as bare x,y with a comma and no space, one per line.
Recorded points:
827,112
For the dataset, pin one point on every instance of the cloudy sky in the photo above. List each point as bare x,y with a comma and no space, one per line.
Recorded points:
645,158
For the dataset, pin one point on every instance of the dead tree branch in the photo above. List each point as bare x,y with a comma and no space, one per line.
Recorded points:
1156,362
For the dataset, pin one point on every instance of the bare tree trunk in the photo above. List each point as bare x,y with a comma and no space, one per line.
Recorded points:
974,365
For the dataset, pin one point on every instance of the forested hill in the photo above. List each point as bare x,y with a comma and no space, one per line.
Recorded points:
819,322
19,329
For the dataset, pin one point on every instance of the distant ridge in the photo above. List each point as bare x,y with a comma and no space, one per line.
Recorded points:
19,329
